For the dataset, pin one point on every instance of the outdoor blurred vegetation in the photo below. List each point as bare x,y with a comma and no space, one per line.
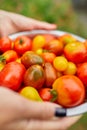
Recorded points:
53,11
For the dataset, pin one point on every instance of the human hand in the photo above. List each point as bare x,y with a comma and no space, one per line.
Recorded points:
18,113
11,23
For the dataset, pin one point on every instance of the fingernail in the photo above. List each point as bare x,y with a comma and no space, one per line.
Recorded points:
60,112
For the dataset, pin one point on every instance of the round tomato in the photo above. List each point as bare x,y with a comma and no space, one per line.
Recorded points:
22,44
38,42
55,46
48,56
48,37
5,44
70,89
82,73
11,76
47,94
75,52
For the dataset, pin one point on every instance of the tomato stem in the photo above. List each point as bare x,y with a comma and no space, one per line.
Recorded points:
54,95
21,41
2,59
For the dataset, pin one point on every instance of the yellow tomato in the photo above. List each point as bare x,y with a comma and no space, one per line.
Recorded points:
71,69
38,42
60,63
30,93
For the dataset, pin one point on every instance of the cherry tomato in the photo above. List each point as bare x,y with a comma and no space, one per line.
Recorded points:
48,37
22,44
10,56
30,58
11,76
50,74
60,63
82,73
38,42
30,93
5,44
47,94
54,46
34,76
67,38
71,69
48,56
70,89
75,52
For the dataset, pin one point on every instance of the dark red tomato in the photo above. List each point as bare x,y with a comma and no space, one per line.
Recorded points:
11,75
10,56
22,44
48,94
82,73
34,76
5,44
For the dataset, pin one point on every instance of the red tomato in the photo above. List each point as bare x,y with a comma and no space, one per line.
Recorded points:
75,52
5,44
70,89
82,73
22,44
55,46
11,75
10,55
48,94
48,56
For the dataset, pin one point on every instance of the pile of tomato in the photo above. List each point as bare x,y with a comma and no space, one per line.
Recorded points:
45,67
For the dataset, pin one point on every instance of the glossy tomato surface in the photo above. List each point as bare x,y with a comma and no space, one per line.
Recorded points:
70,89
11,75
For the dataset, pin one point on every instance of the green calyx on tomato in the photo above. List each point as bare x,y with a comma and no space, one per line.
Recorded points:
54,95
21,41
2,59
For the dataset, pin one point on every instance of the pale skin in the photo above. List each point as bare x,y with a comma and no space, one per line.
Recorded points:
16,112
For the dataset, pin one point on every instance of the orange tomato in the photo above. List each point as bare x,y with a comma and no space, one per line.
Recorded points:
70,89
67,38
48,57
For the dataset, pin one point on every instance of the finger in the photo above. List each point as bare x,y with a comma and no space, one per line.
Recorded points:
25,23
61,124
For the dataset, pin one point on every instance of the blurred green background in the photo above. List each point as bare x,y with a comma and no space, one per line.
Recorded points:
69,17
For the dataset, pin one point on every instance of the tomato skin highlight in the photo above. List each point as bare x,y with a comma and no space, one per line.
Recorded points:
5,44
22,44
11,75
70,89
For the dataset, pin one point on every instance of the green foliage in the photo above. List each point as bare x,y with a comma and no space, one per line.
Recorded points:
53,11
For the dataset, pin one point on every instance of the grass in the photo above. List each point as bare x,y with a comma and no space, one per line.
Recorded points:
54,12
